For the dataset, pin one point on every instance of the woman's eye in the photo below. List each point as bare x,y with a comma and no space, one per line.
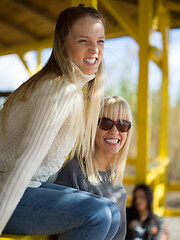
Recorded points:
82,40
101,41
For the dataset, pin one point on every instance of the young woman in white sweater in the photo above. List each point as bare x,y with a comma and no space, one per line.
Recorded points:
53,113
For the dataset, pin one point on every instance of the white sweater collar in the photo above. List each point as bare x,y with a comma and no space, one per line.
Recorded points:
81,78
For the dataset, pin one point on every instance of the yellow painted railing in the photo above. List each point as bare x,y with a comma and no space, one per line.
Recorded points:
25,237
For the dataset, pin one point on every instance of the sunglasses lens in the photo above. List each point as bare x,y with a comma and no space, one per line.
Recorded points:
123,126
105,123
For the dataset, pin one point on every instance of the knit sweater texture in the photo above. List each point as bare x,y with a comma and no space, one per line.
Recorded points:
38,139
71,175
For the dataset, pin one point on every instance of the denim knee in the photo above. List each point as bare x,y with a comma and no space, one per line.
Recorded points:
97,225
115,222
106,218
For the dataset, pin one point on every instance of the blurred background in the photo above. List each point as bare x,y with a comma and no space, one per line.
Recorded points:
142,64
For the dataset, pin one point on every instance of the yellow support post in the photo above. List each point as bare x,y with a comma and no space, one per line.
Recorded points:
145,10
117,11
163,138
39,51
21,56
87,3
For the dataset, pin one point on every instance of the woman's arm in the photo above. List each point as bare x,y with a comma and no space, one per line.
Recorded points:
160,225
47,115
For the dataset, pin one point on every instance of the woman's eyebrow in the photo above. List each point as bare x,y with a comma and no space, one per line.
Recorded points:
89,36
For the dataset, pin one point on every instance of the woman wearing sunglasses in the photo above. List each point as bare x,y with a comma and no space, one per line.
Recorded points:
102,173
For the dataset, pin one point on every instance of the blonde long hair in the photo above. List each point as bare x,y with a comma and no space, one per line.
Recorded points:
87,111
113,107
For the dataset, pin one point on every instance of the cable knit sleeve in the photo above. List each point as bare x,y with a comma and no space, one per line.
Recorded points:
48,113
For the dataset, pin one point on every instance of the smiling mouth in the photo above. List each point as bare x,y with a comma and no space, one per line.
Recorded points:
90,60
112,141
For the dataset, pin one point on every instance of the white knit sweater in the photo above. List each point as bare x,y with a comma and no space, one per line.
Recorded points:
38,139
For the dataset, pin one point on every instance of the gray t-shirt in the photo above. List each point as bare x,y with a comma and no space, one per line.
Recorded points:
71,175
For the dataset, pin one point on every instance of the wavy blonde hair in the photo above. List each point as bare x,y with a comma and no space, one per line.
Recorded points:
86,111
118,108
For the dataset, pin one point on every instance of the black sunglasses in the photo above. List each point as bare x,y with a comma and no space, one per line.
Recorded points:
107,124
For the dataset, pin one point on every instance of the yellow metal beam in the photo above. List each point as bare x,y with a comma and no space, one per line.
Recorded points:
34,10
173,6
129,201
129,180
115,32
21,56
18,28
22,48
156,55
159,211
131,161
117,11
172,212
39,65
23,237
87,3
157,171
163,138
175,22
173,186
143,138
159,191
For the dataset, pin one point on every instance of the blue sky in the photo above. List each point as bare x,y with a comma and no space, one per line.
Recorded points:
121,55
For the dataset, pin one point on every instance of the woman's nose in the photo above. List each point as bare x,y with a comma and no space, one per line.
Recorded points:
93,48
114,129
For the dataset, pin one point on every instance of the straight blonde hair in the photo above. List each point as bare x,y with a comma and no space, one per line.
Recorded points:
118,108
87,109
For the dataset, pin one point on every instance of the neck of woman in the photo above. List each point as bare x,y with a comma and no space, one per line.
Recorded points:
143,215
103,160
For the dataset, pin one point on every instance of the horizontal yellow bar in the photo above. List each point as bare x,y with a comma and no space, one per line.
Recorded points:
22,48
156,171
131,161
24,237
172,212
129,180
129,201
173,186
87,3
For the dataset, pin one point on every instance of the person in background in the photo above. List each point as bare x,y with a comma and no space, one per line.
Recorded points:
102,173
142,223
41,122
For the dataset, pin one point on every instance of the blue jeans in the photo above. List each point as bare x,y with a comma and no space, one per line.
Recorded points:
58,210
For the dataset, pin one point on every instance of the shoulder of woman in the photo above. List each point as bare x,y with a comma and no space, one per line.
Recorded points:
54,86
72,166
158,218
71,163
71,175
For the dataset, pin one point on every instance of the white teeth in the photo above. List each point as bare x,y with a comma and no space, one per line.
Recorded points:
90,60
111,140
